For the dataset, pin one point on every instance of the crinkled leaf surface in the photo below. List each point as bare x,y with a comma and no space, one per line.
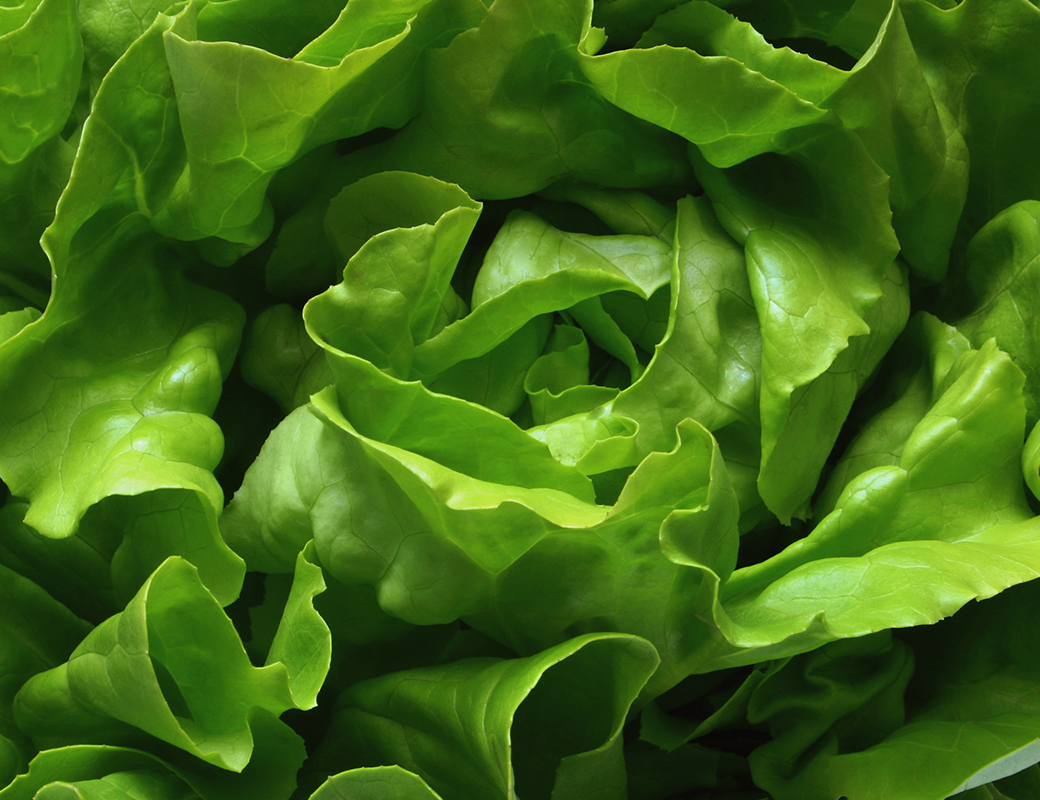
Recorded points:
607,467
788,198
506,112
920,533
418,530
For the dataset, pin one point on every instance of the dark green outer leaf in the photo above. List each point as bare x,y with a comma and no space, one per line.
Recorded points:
504,728
981,62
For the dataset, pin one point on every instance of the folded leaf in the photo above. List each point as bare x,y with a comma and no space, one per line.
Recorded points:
493,728
943,519
140,670
884,99
556,565
788,198
270,775
280,359
971,704
400,236
36,634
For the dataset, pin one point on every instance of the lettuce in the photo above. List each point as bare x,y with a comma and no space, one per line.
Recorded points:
454,399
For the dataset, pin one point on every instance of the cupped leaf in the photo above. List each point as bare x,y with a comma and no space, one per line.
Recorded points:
139,672
546,724
230,157
707,365
908,130
885,99
533,268
419,530
400,236
727,131
496,379
407,416
202,175
270,775
557,383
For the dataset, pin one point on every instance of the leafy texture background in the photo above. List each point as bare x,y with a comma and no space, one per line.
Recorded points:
519,399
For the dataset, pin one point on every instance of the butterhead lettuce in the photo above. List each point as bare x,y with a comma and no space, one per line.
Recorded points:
477,399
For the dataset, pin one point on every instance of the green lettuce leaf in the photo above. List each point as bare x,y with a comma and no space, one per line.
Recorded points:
980,63
706,366
41,57
138,671
506,112
788,198
533,268
270,775
856,724
375,783
885,99
400,236
931,513
416,526
502,728
37,634
280,359
1003,280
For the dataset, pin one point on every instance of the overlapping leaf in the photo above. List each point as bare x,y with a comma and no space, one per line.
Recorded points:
139,671
502,728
